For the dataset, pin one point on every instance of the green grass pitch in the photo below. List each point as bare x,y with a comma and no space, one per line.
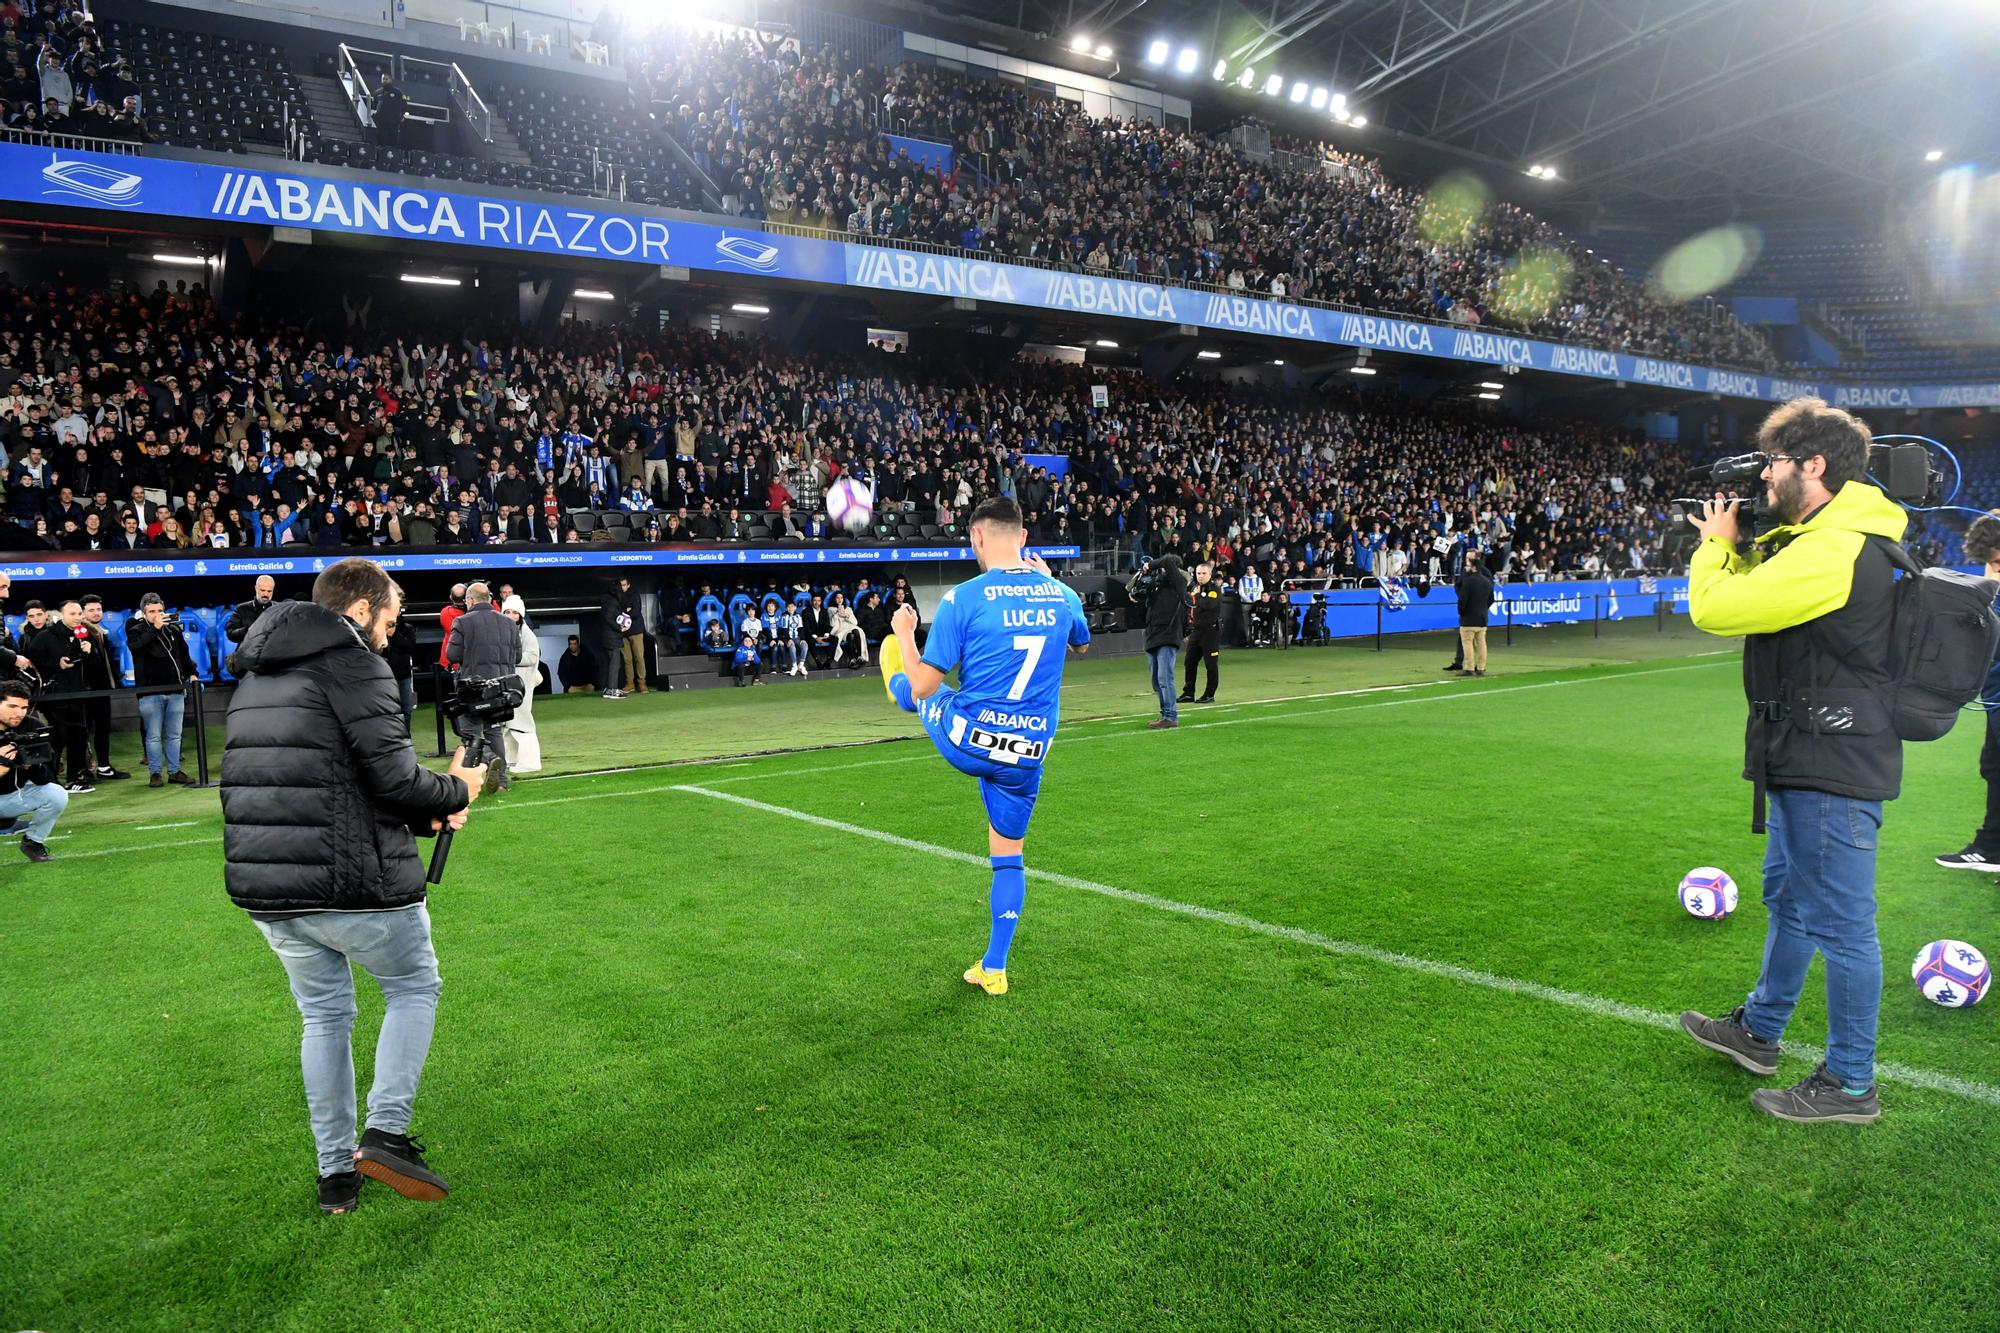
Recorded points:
1339,1011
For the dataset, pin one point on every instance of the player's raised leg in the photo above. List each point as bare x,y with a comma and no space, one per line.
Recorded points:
894,680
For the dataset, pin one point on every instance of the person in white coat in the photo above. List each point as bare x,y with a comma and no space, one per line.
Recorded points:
523,745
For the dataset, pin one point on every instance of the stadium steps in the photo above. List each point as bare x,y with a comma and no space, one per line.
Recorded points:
505,147
333,115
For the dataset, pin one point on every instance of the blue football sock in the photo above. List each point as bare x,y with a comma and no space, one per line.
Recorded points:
899,685
1010,891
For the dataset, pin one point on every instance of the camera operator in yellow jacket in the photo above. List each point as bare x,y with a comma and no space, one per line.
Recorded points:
1814,599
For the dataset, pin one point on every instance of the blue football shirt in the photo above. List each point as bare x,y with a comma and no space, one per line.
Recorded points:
1006,632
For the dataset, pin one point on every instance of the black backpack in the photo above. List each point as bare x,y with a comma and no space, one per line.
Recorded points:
1941,645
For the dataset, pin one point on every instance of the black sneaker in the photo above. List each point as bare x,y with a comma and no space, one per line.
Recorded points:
78,787
1184,699
1729,1035
397,1160
33,850
340,1192
1206,699
1818,1099
1970,859
107,771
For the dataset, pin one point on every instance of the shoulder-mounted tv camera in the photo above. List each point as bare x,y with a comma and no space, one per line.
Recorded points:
1906,473
34,745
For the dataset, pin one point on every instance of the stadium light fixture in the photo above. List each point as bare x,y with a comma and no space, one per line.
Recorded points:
593,294
1220,71
1274,85
1299,92
1247,79
1157,52
1361,370
1109,343
1489,384
1340,101
1359,122
1935,155
1319,99
1340,114
430,280
1209,356
1279,361
1490,397
1104,51
1079,44
745,308
192,261
1188,60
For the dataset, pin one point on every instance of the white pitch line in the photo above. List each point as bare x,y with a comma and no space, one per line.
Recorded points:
1929,1080
927,755
1288,715
185,823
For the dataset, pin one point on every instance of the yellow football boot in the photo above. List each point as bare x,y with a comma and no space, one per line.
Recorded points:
993,983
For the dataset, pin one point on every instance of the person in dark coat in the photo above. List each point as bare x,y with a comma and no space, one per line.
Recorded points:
58,650
237,628
484,646
1475,600
1163,587
322,803
1204,640
160,658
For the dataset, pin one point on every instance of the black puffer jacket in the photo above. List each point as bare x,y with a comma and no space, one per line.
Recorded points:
321,789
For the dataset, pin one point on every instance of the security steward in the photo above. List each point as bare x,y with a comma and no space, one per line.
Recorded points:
1204,640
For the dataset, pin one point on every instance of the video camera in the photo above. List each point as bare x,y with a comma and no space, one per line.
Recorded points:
1906,473
34,745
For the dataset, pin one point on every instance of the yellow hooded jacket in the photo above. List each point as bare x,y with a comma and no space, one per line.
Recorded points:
1814,601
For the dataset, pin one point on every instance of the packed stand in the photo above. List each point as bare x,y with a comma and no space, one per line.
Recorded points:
135,421
796,137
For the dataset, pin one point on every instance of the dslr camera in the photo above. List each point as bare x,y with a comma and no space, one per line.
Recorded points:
489,701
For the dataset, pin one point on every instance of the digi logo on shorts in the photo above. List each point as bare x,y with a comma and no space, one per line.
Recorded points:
1007,749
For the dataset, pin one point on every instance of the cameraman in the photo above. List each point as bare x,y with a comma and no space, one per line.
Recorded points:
26,794
483,645
1814,600
160,657
1163,588
322,801
1982,543
1204,640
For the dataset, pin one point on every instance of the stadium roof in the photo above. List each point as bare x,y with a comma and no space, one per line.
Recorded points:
1689,109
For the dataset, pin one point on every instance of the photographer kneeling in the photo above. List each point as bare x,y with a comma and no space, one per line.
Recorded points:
29,801
322,802
483,646
1814,599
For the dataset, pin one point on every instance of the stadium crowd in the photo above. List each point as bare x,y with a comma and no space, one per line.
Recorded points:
141,420
796,137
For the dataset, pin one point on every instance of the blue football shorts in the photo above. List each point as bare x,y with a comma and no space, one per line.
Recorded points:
1008,788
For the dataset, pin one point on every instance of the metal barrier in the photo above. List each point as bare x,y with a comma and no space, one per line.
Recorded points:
196,715
74,143
471,104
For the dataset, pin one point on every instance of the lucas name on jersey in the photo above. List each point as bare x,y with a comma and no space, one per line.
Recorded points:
1035,618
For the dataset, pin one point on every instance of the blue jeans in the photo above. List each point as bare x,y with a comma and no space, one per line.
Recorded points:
1163,681
395,949
160,716
1819,885
37,806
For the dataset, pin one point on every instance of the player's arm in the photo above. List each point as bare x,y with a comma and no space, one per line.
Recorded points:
923,677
